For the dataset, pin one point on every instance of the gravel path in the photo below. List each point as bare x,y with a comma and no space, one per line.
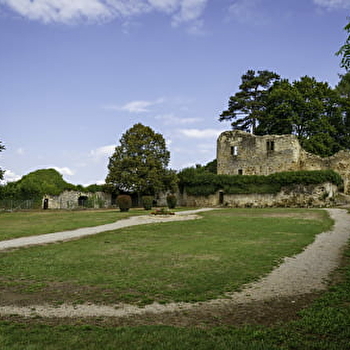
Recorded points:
301,274
88,231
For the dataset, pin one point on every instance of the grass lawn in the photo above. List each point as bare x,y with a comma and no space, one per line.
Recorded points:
21,224
176,261
182,261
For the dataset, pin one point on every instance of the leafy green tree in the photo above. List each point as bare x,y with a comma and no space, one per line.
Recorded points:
344,51
308,109
246,106
2,147
139,163
212,166
35,185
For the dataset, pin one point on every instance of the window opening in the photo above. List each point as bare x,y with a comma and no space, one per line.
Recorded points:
270,145
234,150
240,171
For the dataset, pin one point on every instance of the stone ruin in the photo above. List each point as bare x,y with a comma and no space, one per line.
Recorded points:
241,153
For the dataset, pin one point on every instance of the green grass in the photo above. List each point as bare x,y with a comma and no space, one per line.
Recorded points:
181,261
322,326
21,224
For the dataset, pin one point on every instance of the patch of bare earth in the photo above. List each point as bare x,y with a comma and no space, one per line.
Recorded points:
277,297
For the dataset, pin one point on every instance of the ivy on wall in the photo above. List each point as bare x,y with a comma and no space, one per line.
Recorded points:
203,183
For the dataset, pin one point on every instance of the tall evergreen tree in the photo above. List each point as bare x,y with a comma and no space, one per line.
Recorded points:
246,106
344,51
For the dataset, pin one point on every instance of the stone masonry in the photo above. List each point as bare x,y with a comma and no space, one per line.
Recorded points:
241,153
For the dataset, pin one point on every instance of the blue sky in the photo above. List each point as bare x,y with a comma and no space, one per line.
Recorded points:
75,75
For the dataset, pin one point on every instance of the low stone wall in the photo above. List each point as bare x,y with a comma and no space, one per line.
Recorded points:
293,196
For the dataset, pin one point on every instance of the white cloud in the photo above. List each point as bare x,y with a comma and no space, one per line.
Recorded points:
72,11
200,134
333,4
190,10
64,171
247,11
20,151
102,152
135,106
170,119
62,11
10,176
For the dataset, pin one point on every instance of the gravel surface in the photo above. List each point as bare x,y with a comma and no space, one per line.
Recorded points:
304,273
88,231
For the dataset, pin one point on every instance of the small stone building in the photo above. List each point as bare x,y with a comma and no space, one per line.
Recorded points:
77,199
241,153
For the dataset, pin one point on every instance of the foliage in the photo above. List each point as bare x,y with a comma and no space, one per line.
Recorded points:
317,114
35,185
308,109
171,201
95,188
344,51
139,163
212,166
124,202
197,182
245,106
343,129
147,202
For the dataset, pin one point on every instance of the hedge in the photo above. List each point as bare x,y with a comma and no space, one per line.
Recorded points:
204,183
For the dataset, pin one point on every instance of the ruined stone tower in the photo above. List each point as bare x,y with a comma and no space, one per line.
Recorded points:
241,153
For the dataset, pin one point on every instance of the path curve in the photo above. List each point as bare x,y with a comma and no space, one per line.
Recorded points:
304,273
88,231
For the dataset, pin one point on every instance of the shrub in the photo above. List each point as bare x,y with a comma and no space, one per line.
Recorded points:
147,202
204,184
124,202
171,201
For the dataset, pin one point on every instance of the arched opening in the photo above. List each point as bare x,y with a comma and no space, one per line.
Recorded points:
82,200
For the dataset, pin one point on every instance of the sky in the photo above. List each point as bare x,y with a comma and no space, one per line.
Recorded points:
77,74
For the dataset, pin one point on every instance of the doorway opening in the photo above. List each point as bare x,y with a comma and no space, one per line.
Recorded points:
221,197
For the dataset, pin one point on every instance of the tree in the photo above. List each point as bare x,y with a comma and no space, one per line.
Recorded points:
2,147
344,51
139,163
343,89
245,107
308,109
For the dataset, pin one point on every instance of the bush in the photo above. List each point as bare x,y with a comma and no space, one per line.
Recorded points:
124,202
147,202
203,184
171,201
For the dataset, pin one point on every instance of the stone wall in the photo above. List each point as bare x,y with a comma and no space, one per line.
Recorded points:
76,199
293,196
241,153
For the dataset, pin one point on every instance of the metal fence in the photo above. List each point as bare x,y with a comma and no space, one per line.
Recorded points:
12,204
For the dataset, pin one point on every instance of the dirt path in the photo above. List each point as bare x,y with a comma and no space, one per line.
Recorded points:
88,231
296,277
